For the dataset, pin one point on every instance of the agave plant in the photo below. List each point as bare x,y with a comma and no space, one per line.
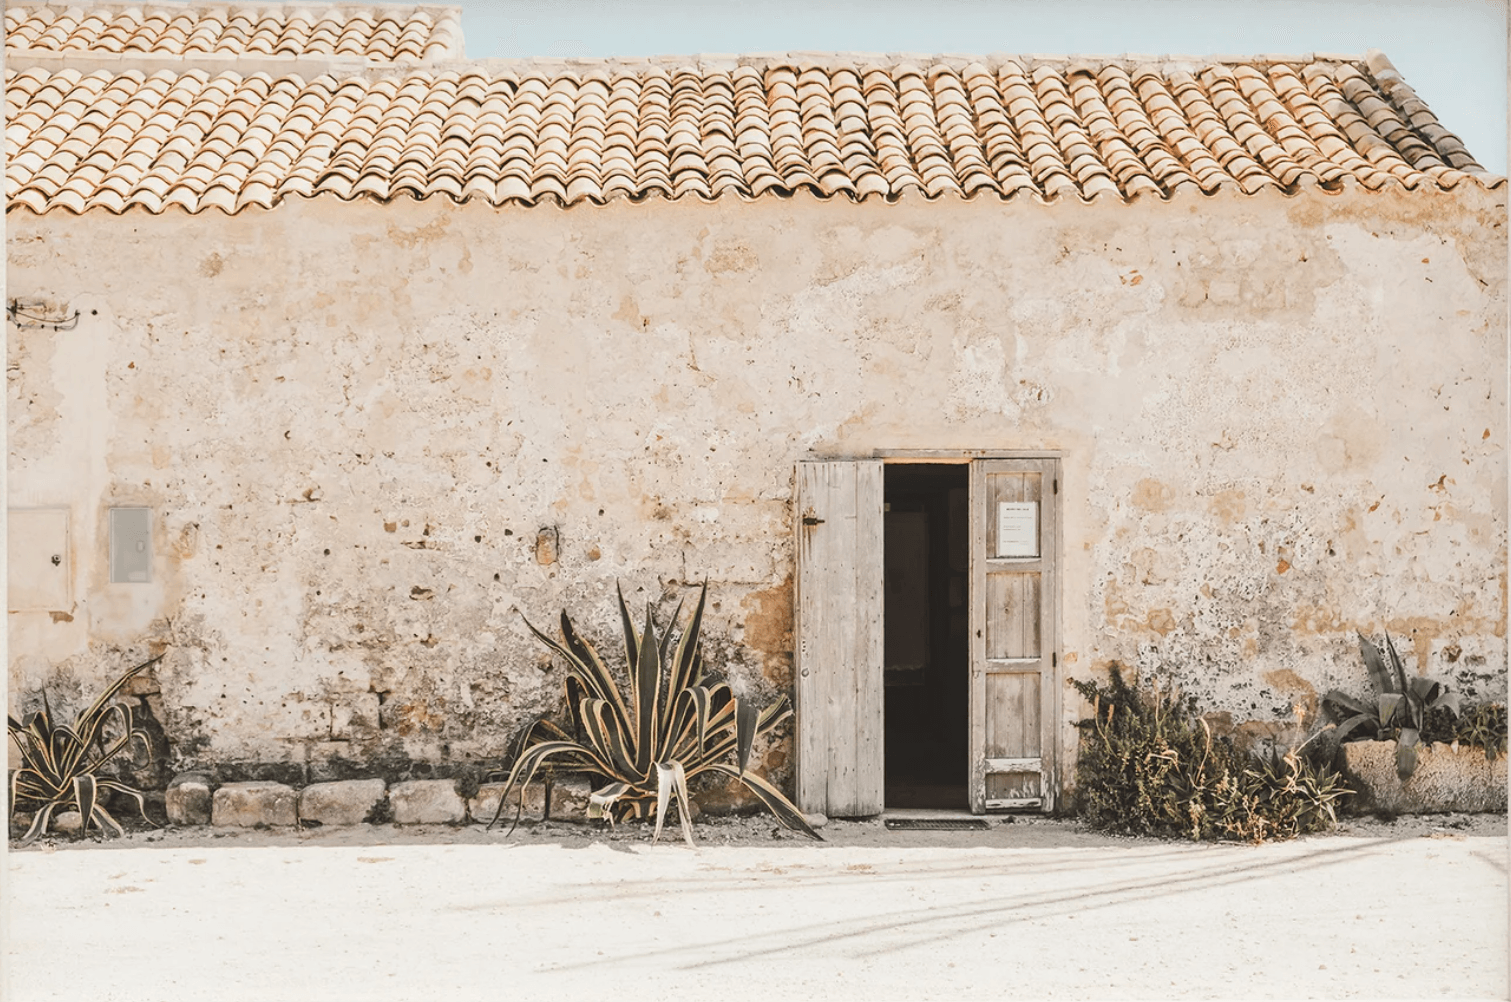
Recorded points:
673,724
60,765
1400,706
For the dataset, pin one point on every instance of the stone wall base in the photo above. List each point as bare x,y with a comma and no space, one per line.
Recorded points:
196,799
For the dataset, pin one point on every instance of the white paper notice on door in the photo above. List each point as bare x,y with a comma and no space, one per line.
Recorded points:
1017,528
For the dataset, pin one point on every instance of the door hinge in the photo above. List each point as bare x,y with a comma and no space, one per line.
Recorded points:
1054,659
1057,485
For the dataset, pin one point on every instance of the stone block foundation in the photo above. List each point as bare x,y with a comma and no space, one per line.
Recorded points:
426,802
569,798
188,799
247,805
346,802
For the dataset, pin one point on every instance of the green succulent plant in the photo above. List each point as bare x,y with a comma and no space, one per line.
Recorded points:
61,764
673,724
1399,709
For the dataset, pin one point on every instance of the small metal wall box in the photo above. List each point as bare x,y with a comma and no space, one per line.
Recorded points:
130,545
37,560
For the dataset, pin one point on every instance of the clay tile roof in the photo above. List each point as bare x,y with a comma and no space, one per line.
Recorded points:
83,138
378,33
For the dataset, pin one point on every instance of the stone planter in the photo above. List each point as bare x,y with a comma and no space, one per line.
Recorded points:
1445,779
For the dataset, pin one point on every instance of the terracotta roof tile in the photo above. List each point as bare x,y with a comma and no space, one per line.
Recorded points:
112,141
380,34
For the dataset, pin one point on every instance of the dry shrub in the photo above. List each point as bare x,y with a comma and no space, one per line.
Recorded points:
1150,766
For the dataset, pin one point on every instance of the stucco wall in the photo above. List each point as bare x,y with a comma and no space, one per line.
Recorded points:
1282,419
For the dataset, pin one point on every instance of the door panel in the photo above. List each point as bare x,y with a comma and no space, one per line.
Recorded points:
1012,715
1014,663
1014,786
1012,615
839,637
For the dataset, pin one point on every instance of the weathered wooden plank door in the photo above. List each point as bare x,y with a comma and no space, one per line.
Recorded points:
839,637
1014,633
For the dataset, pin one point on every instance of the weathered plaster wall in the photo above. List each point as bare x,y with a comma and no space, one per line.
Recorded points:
1282,418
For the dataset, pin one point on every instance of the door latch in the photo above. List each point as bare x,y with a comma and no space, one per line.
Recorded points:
810,520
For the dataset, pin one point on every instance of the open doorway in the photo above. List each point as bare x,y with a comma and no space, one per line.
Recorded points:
926,635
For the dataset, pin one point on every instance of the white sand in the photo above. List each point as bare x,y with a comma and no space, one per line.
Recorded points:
1031,910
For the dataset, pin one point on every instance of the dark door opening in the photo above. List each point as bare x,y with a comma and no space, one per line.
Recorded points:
926,634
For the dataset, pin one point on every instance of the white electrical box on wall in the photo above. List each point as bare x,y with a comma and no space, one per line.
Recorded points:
38,560
130,545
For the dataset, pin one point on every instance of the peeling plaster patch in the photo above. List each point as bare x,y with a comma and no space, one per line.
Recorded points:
768,630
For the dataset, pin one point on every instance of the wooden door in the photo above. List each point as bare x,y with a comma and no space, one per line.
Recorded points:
839,637
1014,633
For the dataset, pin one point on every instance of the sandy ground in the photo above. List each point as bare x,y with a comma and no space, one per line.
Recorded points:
1034,909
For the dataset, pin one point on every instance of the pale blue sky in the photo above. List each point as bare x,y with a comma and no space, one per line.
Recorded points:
1453,52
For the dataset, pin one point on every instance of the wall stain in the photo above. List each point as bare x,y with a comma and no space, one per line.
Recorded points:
1302,692
1153,495
768,630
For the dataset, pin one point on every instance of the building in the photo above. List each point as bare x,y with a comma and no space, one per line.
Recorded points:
333,354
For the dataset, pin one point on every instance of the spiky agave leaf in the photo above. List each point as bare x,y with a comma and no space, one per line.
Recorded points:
1376,666
714,736
1398,670
745,731
689,719
666,635
1406,752
785,810
672,778
39,823
584,663
1425,689
532,759
647,696
627,624
1337,699
726,734
141,804
606,734
1355,722
774,714
684,661
601,801
84,794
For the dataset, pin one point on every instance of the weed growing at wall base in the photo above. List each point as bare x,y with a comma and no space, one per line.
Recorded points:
1149,765
1481,725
